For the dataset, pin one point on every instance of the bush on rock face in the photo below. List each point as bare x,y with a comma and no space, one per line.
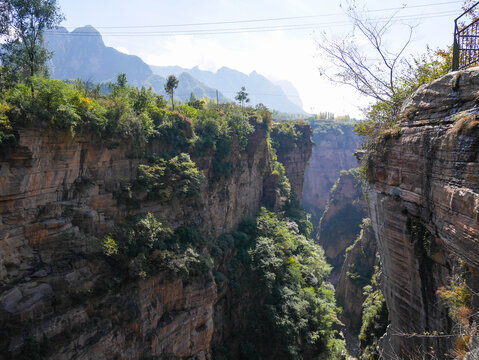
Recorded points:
143,246
167,179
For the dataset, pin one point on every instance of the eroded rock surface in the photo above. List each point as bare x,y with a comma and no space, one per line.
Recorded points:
340,224
333,152
356,273
57,193
424,204
295,158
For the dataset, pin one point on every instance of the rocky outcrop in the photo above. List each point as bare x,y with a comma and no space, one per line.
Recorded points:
295,157
340,224
424,204
333,152
59,298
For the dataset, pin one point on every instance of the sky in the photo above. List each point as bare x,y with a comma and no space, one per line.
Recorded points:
165,32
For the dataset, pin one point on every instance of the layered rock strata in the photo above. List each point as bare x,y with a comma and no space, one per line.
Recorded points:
295,158
340,224
333,152
57,294
356,272
424,204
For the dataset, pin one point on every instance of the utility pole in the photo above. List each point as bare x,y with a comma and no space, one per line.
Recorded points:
217,101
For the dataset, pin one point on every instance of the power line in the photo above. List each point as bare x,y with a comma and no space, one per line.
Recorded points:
307,26
270,19
447,13
263,94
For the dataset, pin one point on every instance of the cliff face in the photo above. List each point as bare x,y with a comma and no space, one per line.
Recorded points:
340,224
356,272
333,152
295,158
57,293
424,204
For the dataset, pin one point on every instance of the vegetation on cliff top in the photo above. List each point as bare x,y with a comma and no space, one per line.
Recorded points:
126,113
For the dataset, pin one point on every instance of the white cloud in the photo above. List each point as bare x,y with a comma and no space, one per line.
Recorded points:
276,55
279,55
122,49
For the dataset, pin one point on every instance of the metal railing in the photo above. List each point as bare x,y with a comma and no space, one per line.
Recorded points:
465,51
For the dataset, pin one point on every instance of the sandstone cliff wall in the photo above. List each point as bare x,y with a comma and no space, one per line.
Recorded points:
295,158
424,204
333,152
59,296
356,272
340,224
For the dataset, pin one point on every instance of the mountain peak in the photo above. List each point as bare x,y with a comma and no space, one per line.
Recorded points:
87,29
88,34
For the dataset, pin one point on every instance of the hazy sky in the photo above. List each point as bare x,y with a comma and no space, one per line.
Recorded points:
285,54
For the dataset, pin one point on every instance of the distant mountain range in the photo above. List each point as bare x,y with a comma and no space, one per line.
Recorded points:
83,54
229,81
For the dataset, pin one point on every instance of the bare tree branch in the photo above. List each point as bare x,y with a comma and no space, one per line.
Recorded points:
350,65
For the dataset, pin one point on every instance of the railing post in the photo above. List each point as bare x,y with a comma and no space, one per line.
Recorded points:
455,50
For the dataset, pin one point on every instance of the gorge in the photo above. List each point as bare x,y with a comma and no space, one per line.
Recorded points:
113,248
132,230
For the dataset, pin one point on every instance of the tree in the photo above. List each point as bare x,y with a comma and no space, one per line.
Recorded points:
4,16
364,61
120,87
23,54
170,87
121,80
242,96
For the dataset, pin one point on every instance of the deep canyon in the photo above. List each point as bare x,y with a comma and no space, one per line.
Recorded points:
409,227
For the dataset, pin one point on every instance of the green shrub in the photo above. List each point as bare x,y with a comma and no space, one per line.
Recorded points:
63,106
288,273
213,134
55,103
241,127
176,130
142,246
167,179
374,319
283,182
7,139
284,136
296,212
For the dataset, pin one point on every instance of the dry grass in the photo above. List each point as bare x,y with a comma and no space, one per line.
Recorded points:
461,347
392,133
465,125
